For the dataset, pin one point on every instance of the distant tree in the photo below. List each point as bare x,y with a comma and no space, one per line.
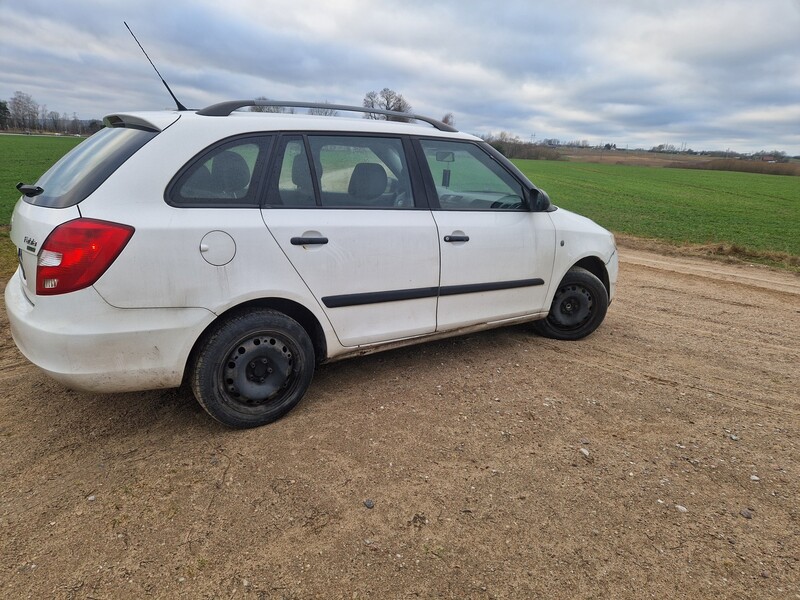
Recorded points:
24,111
669,148
511,146
270,109
578,144
506,144
386,99
53,121
5,115
323,112
449,119
94,126
75,124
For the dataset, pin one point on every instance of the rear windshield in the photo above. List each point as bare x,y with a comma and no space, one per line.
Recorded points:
81,171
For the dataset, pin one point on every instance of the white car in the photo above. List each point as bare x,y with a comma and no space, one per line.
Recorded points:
236,250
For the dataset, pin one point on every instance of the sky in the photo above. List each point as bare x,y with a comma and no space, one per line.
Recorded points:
700,74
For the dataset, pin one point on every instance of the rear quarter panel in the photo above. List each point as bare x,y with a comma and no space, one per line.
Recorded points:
162,266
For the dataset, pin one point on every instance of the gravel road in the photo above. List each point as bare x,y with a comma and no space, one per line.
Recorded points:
657,458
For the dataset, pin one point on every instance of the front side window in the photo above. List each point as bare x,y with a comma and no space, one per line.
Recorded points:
466,178
225,176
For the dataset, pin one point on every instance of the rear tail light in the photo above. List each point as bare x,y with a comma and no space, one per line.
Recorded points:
77,253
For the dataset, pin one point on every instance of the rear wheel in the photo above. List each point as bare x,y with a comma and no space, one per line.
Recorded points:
253,368
578,308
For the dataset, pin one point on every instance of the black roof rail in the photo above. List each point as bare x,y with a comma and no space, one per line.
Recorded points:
223,109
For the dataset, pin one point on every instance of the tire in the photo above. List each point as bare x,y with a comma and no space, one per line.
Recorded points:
253,368
579,306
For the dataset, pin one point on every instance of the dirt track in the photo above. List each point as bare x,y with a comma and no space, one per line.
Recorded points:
472,451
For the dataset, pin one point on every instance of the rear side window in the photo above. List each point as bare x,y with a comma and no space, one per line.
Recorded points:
224,176
348,172
361,172
81,171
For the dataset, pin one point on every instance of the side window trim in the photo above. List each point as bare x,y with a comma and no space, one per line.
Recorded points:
422,199
273,171
316,178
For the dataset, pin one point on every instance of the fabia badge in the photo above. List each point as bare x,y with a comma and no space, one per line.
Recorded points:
31,244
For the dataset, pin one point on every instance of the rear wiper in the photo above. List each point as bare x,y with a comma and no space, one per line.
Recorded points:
29,190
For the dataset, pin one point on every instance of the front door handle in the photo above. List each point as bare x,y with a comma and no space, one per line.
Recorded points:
308,241
456,238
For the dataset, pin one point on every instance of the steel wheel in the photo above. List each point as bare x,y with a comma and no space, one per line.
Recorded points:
253,368
572,307
579,306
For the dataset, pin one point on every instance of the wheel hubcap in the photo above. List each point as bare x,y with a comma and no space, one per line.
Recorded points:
572,307
257,370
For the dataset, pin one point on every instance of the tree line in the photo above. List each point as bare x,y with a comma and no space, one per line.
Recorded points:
23,114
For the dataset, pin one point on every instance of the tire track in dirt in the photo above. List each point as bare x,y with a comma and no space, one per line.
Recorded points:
727,331
751,275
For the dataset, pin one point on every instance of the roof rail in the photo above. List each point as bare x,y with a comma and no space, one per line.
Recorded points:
223,109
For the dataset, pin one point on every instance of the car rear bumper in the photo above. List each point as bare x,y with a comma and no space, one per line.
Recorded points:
87,344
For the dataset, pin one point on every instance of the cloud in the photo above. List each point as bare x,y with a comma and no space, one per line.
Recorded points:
697,71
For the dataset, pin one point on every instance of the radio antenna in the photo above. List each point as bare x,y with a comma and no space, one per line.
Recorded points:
166,85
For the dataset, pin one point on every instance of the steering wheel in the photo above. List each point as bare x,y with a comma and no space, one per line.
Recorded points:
509,202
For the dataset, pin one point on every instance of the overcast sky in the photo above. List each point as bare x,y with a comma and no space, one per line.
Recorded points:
711,74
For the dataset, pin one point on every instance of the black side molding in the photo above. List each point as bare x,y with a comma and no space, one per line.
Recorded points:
428,292
377,297
471,288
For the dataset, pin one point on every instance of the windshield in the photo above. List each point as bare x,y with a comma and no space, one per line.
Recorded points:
81,171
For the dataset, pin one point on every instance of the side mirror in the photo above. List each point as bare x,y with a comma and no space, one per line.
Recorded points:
539,200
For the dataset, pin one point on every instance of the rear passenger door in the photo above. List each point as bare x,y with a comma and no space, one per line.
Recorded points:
348,212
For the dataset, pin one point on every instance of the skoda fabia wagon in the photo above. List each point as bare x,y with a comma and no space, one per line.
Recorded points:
234,251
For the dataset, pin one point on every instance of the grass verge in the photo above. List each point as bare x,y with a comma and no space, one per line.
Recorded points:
745,215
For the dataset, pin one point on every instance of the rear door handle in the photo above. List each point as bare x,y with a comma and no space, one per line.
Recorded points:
308,241
456,238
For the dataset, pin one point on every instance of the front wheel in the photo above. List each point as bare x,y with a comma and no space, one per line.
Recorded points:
578,308
253,368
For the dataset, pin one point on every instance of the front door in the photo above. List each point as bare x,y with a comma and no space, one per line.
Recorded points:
496,255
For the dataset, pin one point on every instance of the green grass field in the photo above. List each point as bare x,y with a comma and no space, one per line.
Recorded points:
25,158
759,214
756,212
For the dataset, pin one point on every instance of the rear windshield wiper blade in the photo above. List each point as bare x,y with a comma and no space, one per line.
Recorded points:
29,190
